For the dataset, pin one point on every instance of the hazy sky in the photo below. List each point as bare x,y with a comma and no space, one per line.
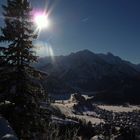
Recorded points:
98,25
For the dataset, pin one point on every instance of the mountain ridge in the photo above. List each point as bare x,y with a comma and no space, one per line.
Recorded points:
101,55
85,71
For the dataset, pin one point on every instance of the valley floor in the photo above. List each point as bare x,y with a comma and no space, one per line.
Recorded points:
67,108
113,120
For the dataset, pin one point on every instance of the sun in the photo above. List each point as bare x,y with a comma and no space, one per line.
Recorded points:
41,20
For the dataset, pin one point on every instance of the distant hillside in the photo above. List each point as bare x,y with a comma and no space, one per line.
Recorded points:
138,67
85,71
110,58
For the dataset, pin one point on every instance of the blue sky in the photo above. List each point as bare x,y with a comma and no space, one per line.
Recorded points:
98,25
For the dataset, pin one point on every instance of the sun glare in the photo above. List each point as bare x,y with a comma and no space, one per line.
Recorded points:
41,21
43,49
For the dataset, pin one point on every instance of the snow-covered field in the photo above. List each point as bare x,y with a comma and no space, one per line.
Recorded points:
71,108
67,109
93,120
119,108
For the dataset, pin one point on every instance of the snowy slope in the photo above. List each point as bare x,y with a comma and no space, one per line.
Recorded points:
67,109
6,132
119,108
71,108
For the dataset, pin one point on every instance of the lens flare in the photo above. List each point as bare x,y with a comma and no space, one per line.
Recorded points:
43,49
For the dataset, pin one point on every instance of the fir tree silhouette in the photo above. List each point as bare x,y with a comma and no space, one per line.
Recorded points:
19,81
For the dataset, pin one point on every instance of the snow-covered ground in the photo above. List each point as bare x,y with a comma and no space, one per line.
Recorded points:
77,107
87,97
67,109
6,132
93,120
119,108
63,121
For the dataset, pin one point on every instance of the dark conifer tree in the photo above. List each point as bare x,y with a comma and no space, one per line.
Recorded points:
18,83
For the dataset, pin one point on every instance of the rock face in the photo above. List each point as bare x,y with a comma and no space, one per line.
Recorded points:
77,98
6,132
